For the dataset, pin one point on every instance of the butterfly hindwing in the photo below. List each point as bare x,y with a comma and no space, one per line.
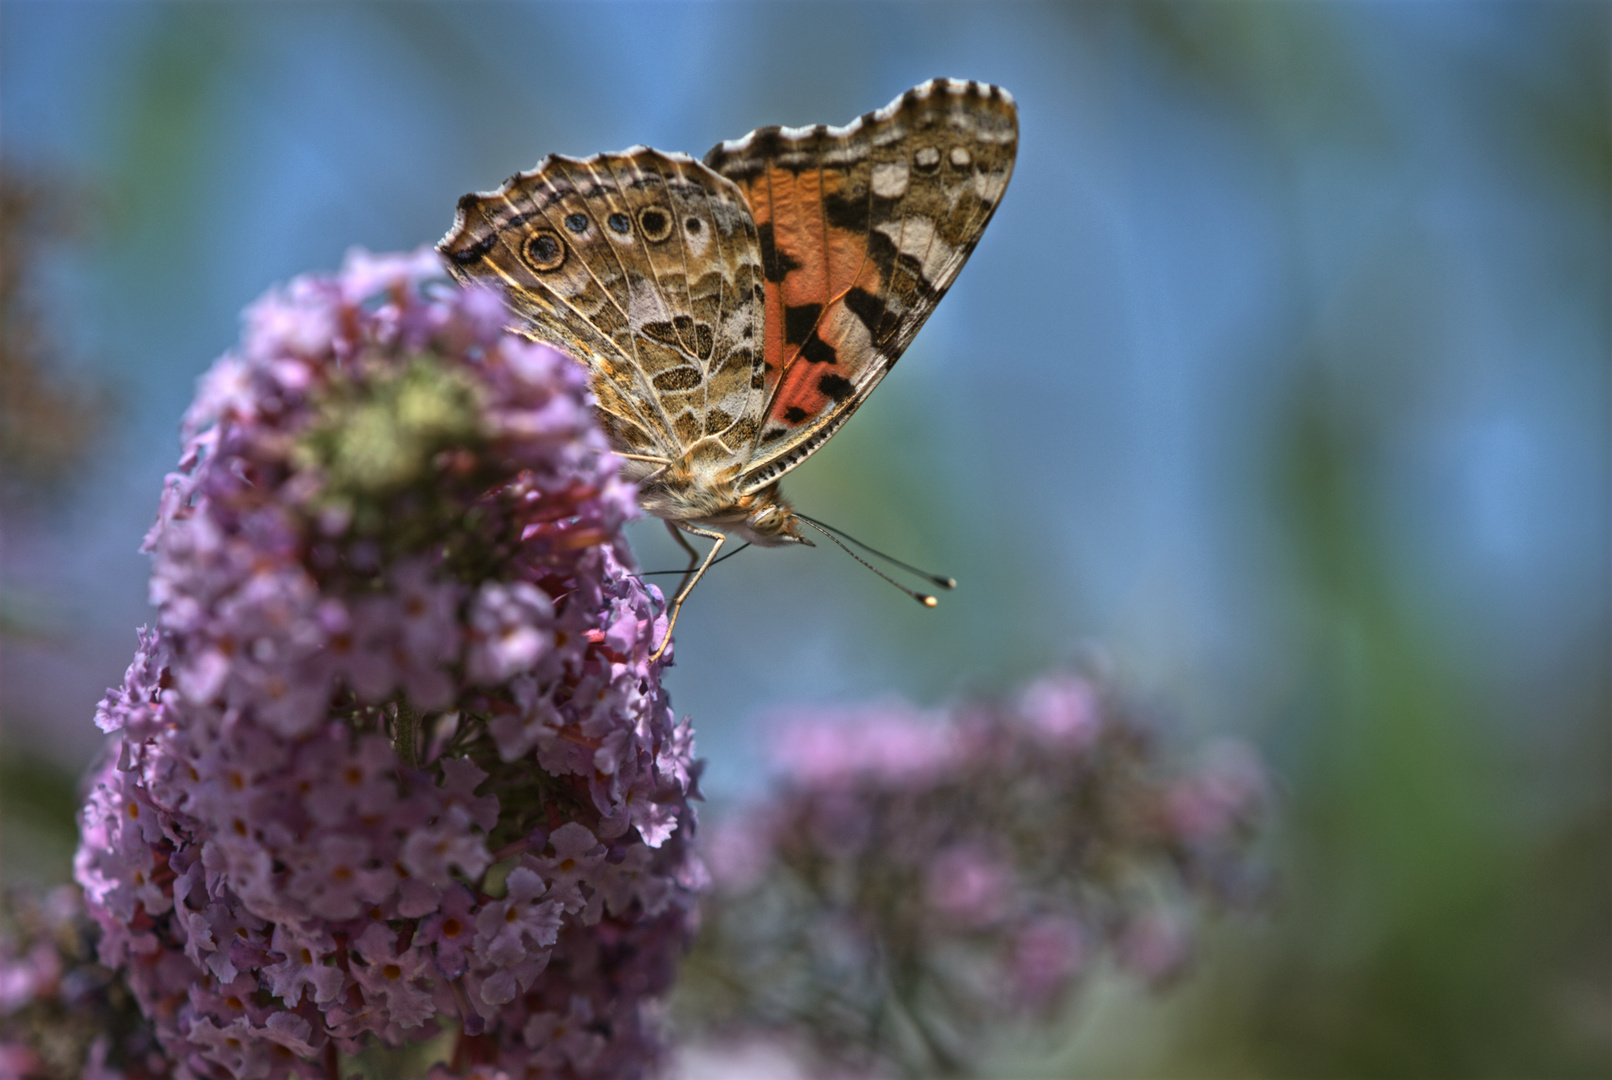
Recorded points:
861,230
646,267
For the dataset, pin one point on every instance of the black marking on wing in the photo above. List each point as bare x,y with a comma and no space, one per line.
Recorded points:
775,265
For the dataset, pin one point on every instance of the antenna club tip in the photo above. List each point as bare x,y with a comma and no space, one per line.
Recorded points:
927,601
947,583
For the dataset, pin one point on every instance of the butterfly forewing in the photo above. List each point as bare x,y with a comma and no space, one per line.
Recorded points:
862,229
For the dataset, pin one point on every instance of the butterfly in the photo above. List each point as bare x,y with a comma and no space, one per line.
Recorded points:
733,314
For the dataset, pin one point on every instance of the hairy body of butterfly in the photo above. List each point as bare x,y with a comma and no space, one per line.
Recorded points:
734,314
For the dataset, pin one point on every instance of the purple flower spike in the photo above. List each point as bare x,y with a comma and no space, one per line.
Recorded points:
397,703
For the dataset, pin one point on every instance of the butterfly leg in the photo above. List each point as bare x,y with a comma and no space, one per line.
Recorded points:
693,576
693,556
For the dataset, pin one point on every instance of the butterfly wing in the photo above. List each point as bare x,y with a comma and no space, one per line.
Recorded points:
861,229
647,268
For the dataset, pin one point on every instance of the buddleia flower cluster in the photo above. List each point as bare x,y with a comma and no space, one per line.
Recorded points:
922,882
394,761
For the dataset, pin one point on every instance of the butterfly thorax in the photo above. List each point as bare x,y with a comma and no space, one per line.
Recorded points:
679,494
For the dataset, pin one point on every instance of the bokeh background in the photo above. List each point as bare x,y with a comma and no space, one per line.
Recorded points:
1280,379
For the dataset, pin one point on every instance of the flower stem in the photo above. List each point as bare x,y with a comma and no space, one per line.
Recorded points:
406,735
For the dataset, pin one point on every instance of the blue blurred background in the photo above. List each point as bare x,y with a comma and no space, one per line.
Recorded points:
1280,377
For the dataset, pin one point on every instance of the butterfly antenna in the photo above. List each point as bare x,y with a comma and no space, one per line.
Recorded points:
937,580
923,598
723,559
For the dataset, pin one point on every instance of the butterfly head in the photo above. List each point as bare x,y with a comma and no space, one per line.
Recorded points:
763,518
769,521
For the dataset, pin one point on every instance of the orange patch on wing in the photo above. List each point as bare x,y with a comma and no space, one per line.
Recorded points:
803,394
821,264
797,401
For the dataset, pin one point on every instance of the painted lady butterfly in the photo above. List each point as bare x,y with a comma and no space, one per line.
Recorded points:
733,314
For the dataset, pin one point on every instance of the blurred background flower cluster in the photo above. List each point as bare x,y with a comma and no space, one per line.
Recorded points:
1281,372
918,885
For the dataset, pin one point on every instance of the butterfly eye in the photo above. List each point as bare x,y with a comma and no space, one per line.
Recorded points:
577,223
545,252
656,223
618,223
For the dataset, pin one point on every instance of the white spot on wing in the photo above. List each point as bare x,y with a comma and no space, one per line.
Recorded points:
916,237
988,187
890,179
847,333
645,306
